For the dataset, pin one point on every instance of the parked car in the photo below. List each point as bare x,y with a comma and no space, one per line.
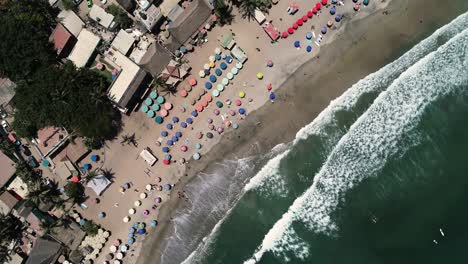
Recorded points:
33,162
6,126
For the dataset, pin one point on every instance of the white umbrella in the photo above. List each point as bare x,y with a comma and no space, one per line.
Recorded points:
112,249
239,65
99,246
143,195
131,211
137,203
206,66
126,219
119,255
217,50
117,261
148,187
106,234
102,240
100,231
202,73
212,58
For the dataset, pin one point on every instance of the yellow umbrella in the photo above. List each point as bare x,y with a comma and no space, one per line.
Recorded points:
241,94
260,75
212,64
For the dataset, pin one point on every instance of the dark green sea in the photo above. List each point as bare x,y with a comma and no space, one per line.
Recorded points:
380,176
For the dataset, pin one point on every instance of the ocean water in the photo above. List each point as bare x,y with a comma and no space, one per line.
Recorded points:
380,176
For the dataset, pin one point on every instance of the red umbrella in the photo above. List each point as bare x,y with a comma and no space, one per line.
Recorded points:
192,82
324,2
75,179
314,10
304,18
166,162
295,26
284,34
238,102
269,87
318,6
199,108
299,22
290,30
310,14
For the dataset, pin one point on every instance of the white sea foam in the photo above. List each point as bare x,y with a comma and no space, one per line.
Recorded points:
377,135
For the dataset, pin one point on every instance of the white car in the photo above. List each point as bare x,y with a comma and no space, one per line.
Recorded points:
6,126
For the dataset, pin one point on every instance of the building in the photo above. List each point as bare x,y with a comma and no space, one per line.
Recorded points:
188,23
45,251
155,59
123,42
7,202
128,5
7,92
70,236
49,140
63,40
71,21
100,15
167,5
152,16
65,170
7,169
84,48
128,81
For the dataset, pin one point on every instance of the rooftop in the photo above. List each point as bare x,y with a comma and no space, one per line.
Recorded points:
44,252
7,169
49,139
153,15
60,37
7,202
167,5
84,48
123,42
71,21
155,59
100,15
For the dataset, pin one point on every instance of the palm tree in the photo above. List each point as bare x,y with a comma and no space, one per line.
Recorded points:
11,229
163,87
90,176
128,139
43,193
247,7
223,12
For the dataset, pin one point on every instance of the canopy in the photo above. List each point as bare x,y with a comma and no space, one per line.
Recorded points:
98,184
148,157
159,119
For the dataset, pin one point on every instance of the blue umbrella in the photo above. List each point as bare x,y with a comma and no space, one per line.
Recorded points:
189,120
94,158
338,18
309,48
324,30
228,59
208,85
101,215
241,111
82,222
135,225
272,96
131,230
167,187
141,231
165,149
223,65
167,157
213,78
164,133
334,2
218,72
308,35
87,166
170,142
131,241
217,57
194,113
297,44
175,119
159,120
153,223
130,235
178,134
183,125
169,126
332,10
175,139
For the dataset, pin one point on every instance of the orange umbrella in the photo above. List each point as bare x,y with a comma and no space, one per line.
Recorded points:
204,103
199,108
208,98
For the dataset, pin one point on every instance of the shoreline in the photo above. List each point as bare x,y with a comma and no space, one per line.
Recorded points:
344,78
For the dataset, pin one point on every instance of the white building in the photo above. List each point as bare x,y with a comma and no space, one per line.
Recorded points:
100,15
123,42
71,21
84,48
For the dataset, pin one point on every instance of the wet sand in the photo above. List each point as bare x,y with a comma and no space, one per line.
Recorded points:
362,47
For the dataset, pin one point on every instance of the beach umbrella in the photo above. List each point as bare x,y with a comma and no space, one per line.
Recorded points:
199,107
119,255
284,34
143,195
131,230
225,81
324,2
230,76
150,114
232,112
239,102
153,223
318,6
101,215
291,30
209,121
175,119
167,187
217,50
227,123
148,101
220,87
183,148
220,130
241,111
219,104
159,120
166,162
155,107
168,106
87,166
215,93
309,48
130,241
213,78
175,139
310,14
211,58
198,146
163,112
212,64
109,256
160,100
201,74
209,135
149,187
193,82
241,94
194,114
165,149
338,18
208,85
228,59
314,10
124,248
239,65
218,72
217,57
183,93
234,70
208,98
223,65
295,26
259,75
308,35
216,111
153,95
366,2
304,18
357,7
169,126
158,200
272,96
269,63
211,126
126,219
207,72
183,125
189,120
144,108
299,22
269,86
178,134
332,10
297,44
141,231
196,156
235,126
170,142
324,30
329,23
131,211
75,179
137,203
206,66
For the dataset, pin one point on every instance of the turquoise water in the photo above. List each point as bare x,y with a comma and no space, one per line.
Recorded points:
378,177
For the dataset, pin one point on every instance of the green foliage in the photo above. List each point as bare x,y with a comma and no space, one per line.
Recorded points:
11,229
90,228
26,174
68,5
7,148
47,194
120,16
223,12
74,191
247,7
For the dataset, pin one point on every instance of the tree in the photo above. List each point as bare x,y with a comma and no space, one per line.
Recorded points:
68,5
128,139
75,191
11,229
163,87
40,193
90,228
223,12
7,148
26,174
120,16
90,176
247,7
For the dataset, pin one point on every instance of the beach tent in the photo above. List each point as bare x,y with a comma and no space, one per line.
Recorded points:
148,157
98,184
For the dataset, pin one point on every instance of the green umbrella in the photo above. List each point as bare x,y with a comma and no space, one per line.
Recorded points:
160,100
144,108
153,95
148,101
150,113
219,104
156,107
